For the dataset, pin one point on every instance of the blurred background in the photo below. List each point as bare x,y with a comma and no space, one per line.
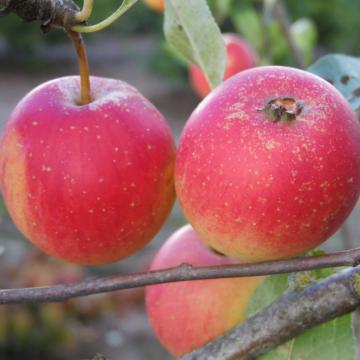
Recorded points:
133,49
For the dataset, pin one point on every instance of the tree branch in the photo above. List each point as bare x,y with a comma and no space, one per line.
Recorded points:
180,273
288,317
60,13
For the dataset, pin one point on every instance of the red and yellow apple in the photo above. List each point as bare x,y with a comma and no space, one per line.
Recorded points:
88,184
240,56
186,315
157,5
268,165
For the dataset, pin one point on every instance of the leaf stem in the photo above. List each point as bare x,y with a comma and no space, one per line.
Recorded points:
126,5
85,12
79,45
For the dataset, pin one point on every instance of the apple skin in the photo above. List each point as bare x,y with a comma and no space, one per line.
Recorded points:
157,5
87,184
240,56
259,189
188,314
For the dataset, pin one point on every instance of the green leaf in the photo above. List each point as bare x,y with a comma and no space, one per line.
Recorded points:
278,46
191,29
221,8
303,279
270,289
305,36
275,285
343,72
247,22
317,252
333,340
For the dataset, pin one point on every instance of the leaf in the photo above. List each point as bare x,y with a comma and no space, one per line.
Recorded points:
333,340
343,72
247,21
305,278
305,36
191,29
275,285
123,8
278,46
270,289
221,8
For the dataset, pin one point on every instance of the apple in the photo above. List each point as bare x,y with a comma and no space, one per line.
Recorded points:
240,56
157,5
268,165
186,315
88,184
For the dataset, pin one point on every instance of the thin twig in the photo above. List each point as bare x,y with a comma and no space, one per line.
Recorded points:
180,273
290,316
280,13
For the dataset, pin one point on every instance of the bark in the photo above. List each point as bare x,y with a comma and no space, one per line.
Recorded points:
51,13
180,273
288,317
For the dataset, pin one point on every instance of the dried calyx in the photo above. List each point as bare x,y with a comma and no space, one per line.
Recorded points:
283,108
51,13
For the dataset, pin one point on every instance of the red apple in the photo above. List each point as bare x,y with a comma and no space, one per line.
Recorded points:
186,315
88,184
268,165
157,5
240,56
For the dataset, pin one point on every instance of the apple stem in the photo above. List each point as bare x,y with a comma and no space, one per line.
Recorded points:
79,45
125,5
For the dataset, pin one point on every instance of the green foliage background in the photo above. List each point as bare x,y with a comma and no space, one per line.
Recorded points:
336,20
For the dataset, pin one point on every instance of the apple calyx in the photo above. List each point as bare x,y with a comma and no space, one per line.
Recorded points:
283,108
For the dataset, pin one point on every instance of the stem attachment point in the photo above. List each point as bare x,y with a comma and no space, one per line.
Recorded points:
283,108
